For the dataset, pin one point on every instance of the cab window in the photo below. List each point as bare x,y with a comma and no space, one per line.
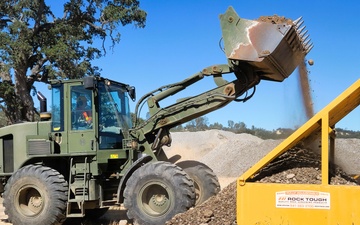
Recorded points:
81,105
57,113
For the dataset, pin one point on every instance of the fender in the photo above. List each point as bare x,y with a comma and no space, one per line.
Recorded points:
137,164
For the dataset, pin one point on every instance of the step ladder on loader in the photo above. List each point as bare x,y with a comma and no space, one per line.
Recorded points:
298,204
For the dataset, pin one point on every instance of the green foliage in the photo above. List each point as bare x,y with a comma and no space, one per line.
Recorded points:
178,128
3,121
37,45
134,118
216,126
343,133
200,124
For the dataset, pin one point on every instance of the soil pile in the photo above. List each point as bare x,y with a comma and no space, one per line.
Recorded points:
226,153
230,155
219,209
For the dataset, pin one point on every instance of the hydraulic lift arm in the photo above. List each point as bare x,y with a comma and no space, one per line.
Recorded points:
269,48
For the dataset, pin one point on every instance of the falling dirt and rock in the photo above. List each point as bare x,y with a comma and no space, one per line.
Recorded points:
230,155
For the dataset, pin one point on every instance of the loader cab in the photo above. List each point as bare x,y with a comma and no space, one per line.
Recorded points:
91,115
114,119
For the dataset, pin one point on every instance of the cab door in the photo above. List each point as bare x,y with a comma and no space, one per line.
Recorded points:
59,116
81,135
113,124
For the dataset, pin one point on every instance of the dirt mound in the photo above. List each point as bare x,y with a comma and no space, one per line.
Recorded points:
219,209
228,154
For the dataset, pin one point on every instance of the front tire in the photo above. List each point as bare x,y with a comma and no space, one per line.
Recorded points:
156,192
35,195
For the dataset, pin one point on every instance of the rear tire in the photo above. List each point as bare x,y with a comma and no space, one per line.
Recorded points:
205,181
156,192
35,195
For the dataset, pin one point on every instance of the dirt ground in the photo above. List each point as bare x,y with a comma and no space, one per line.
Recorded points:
115,215
230,155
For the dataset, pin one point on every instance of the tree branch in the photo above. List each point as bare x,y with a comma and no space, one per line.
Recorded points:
4,74
37,68
39,15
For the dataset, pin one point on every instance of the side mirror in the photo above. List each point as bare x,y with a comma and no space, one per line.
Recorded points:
132,93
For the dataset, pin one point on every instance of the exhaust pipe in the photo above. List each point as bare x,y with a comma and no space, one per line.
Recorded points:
43,102
44,115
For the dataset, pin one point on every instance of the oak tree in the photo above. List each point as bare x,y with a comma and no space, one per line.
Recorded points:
42,40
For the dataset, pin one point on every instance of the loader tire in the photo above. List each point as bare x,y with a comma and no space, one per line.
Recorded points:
35,195
205,181
156,192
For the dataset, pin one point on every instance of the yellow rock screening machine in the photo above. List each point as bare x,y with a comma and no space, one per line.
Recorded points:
298,204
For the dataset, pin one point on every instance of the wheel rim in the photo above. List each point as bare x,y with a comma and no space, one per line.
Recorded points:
30,202
154,199
197,192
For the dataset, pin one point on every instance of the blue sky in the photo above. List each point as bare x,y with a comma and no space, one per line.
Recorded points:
182,37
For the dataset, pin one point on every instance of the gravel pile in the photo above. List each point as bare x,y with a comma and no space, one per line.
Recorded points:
226,153
219,209
230,155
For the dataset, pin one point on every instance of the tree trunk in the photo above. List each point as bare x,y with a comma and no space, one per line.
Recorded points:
23,104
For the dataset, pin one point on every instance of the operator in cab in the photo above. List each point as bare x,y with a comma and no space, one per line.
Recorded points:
83,114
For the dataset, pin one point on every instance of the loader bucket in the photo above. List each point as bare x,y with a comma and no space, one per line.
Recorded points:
273,46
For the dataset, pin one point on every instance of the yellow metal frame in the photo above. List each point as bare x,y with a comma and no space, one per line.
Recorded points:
298,204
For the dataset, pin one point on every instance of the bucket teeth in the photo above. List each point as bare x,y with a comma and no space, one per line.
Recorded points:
297,20
299,24
304,39
308,47
302,35
305,43
300,30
